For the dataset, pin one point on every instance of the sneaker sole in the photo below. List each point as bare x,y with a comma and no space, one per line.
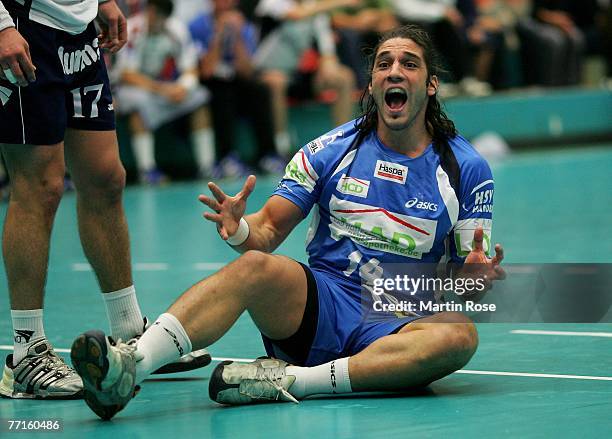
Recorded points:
89,358
9,394
195,360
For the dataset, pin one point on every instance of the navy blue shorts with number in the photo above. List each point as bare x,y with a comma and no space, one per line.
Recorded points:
71,88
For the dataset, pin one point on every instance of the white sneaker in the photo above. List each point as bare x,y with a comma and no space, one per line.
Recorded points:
245,383
108,370
41,374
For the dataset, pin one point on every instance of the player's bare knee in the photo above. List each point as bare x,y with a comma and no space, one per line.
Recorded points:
44,193
107,184
255,268
461,341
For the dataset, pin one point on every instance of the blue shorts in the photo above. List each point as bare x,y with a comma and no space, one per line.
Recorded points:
334,324
71,88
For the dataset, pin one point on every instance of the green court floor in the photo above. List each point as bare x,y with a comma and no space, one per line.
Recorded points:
551,206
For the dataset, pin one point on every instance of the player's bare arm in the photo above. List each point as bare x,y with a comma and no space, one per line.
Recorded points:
268,227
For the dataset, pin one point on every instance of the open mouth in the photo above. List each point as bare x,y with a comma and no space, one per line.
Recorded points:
395,98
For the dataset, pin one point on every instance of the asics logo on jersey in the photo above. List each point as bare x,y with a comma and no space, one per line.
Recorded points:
78,60
5,94
23,334
423,205
391,172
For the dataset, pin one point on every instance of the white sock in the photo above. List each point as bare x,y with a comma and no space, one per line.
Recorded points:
204,148
28,328
283,143
123,313
143,146
164,342
328,378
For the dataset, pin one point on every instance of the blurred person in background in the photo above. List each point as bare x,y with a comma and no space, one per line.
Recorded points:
226,43
358,29
289,29
158,79
448,22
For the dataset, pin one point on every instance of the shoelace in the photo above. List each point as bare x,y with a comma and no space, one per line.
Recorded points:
268,384
126,347
55,362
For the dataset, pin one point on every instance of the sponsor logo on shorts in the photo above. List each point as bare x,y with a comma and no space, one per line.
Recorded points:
80,59
391,172
5,94
421,205
380,229
321,142
353,186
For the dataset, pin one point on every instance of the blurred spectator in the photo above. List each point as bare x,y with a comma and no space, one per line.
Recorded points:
158,78
227,43
291,27
494,41
448,22
360,28
445,24
558,25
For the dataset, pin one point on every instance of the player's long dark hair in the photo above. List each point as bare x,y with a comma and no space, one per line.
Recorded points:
439,126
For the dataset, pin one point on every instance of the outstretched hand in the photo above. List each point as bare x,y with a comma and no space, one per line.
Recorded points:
478,265
227,210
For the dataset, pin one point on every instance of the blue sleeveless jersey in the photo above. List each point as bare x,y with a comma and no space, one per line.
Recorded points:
376,206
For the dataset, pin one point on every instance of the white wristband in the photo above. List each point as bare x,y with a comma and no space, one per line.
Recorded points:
241,234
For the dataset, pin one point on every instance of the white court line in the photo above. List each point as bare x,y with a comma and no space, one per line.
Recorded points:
567,333
463,371
138,266
536,375
157,266
150,266
209,266
81,266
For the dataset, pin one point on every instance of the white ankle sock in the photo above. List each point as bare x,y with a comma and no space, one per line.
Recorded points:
163,342
123,313
204,149
143,146
28,328
328,378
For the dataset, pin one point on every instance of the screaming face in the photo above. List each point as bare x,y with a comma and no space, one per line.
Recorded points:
400,85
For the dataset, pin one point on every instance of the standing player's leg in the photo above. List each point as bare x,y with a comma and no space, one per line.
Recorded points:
274,294
99,178
37,181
